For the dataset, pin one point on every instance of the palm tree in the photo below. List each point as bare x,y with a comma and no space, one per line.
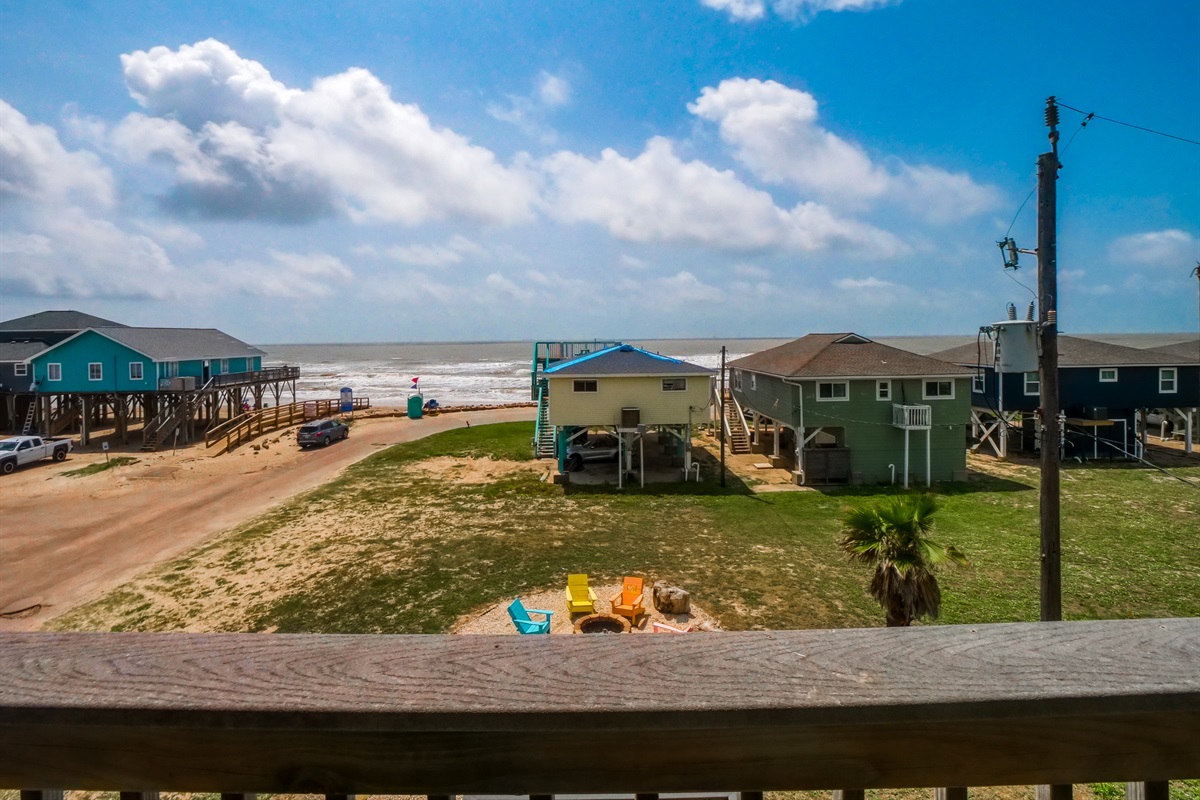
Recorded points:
893,537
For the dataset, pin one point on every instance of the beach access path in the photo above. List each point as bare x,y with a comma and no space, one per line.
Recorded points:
67,540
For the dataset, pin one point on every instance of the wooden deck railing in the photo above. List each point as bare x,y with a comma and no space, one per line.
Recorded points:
231,433
939,706
268,375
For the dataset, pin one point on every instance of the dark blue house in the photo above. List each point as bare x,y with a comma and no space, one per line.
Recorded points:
1106,392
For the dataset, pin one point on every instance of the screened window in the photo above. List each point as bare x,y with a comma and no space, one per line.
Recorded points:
883,390
939,390
1033,383
1108,374
674,384
54,372
95,371
833,390
135,370
977,383
20,369
1167,380
585,386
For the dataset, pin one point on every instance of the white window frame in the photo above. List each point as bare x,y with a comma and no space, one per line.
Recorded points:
224,366
925,395
168,369
737,380
141,371
583,382
1162,380
978,384
54,371
883,390
20,369
681,388
754,381
95,370
1036,383
1114,372
845,388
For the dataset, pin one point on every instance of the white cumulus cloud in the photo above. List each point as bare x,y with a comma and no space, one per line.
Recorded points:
774,131
243,145
287,275
796,10
657,197
55,238
1167,248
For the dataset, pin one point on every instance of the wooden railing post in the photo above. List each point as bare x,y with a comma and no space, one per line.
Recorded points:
1147,790
950,793
238,796
42,794
849,794
139,795
1055,792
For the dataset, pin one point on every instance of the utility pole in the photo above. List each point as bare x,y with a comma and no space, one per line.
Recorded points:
1051,590
721,429
1047,244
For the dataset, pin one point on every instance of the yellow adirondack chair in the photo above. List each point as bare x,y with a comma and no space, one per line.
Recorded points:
580,598
630,602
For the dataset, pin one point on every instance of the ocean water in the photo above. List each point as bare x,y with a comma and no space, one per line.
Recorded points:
454,373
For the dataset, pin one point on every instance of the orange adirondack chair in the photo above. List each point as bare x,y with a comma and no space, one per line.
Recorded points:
630,602
580,597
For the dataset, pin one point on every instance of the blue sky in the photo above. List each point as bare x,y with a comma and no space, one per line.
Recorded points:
411,171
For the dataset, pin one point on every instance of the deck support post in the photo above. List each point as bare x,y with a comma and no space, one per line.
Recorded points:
905,467
928,457
950,793
1147,790
85,424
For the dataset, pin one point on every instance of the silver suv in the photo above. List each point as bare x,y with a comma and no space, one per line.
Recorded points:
321,432
599,448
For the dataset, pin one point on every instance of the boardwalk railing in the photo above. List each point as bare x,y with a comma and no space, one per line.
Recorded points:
940,706
242,428
268,375
912,417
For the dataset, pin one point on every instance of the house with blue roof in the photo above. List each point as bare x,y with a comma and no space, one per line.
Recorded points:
630,393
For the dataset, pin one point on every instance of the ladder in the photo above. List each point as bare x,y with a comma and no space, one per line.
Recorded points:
27,428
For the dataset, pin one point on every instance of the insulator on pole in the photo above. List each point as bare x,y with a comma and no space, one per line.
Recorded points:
1051,112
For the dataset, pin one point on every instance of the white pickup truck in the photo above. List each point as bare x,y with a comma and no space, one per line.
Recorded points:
20,450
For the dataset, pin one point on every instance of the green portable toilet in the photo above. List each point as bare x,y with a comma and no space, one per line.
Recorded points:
415,406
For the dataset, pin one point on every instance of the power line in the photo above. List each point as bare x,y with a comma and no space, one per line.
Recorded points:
1066,147
1129,124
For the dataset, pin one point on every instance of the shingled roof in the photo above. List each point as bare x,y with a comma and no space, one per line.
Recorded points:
11,352
1187,352
177,344
843,355
1074,351
624,360
57,321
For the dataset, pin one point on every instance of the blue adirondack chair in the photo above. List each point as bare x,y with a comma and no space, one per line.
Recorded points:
520,618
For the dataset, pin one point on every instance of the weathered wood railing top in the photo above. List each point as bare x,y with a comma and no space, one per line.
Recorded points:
933,706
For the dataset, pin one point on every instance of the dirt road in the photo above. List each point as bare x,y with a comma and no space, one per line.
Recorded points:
67,540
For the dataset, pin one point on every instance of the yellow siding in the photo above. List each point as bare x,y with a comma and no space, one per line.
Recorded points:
603,407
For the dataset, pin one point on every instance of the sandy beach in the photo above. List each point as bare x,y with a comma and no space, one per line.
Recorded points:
67,540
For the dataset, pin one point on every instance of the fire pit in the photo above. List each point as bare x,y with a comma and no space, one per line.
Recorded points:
601,623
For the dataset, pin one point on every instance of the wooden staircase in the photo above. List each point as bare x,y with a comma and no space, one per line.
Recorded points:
544,445
739,438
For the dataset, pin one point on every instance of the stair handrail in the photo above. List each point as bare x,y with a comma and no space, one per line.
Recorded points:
741,415
537,426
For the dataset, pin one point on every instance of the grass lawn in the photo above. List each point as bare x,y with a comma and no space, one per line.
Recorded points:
397,546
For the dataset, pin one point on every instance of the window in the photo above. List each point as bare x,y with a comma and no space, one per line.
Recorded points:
54,372
674,384
1108,374
135,370
939,390
833,390
753,382
224,366
95,371
883,390
1166,380
20,369
170,369
737,379
1033,384
977,384
585,386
